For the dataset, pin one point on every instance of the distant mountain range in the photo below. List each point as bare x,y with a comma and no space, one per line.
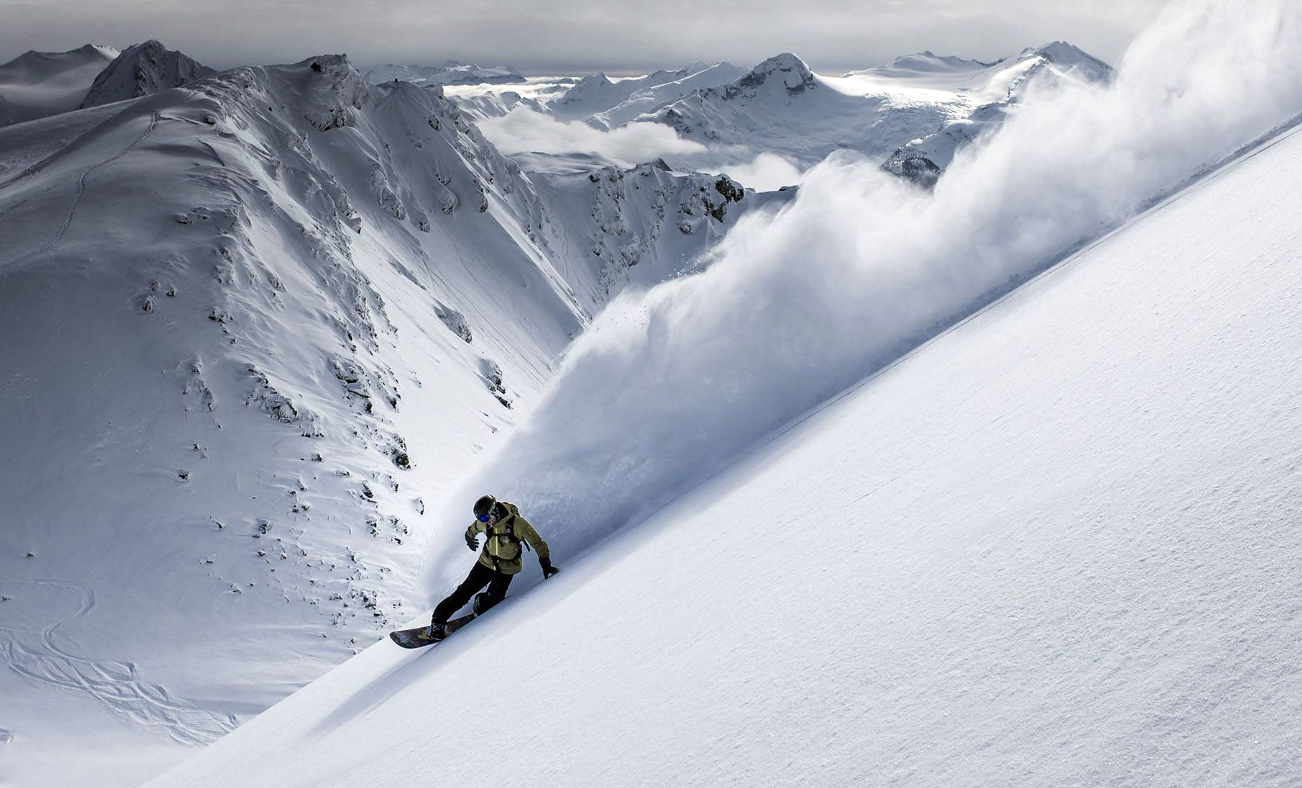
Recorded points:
451,72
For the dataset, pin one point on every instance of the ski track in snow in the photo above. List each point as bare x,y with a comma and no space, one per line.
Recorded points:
38,657
81,191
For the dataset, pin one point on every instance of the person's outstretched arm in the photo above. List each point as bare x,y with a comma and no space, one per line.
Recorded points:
472,534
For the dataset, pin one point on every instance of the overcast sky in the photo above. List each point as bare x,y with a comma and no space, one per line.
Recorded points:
549,35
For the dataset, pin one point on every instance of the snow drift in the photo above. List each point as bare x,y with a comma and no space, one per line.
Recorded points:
673,384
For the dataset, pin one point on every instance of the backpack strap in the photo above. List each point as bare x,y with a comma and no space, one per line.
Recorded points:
509,535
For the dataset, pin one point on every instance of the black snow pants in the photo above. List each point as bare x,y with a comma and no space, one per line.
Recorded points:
479,577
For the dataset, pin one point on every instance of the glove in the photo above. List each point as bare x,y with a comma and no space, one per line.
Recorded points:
472,541
548,569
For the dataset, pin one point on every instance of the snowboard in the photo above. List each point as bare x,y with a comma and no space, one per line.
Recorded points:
419,636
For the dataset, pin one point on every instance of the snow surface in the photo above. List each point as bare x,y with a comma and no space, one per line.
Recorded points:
39,84
1055,546
246,307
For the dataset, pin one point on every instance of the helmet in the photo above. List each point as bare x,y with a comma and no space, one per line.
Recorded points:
484,506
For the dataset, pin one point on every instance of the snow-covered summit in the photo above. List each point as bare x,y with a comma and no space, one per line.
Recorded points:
784,72
593,90
143,70
1069,56
39,84
332,90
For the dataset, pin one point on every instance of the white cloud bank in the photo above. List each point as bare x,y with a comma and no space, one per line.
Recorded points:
766,172
672,384
523,130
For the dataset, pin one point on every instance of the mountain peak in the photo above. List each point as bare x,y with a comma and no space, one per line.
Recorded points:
785,69
332,90
783,62
1070,56
142,70
587,88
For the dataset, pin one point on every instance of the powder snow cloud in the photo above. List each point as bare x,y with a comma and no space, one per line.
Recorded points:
675,383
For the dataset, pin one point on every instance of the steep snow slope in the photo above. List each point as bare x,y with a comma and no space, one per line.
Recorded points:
1055,546
40,84
143,70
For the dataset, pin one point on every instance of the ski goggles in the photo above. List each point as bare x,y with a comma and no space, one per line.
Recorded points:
483,518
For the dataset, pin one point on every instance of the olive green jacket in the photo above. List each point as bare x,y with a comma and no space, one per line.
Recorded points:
501,552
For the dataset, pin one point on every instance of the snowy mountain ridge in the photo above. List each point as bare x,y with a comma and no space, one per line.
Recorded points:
785,70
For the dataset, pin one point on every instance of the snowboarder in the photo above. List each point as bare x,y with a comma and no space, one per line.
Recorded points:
502,558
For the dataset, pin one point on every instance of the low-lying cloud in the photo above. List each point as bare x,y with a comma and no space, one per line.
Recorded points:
675,383
766,172
524,130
